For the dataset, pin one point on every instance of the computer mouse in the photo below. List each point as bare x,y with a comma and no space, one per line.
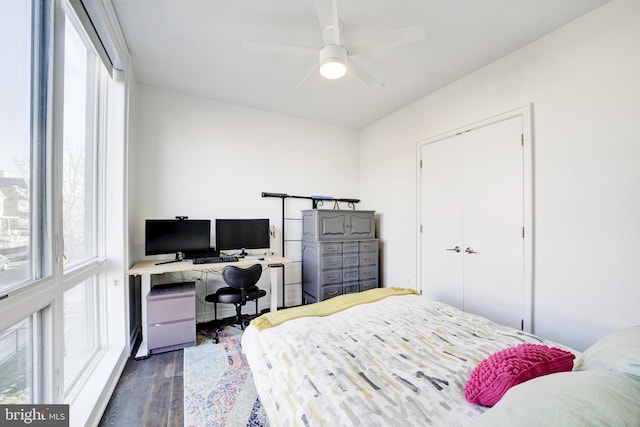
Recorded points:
260,258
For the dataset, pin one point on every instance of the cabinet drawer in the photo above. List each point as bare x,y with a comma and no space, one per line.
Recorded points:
331,291
369,246
170,310
350,247
368,284
331,276
330,248
350,288
368,258
350,275
331,261
368,273
350,260
166,334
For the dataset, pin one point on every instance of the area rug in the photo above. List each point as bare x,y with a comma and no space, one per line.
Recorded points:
218,386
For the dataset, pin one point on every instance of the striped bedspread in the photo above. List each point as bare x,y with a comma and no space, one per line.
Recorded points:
403,360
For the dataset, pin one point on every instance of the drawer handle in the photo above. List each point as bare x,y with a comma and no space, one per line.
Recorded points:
332,249
367,273
332,262
332,293
332,277
368,246
368,259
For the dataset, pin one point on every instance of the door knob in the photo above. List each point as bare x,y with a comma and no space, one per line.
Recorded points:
470,251
456,249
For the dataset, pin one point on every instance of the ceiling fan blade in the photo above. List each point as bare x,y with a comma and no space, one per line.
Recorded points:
306,77
360,73
280,48
387,40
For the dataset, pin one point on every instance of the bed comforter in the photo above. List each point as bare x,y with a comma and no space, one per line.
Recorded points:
403,360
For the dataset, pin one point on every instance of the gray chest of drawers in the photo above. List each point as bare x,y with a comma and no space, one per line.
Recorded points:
339,253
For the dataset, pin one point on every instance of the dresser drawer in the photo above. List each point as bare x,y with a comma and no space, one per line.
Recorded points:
330,248
369,246
331,261
368,284
350,247
368,258
331,276
350,260
368,273
170,334
350,288
331,291
350,275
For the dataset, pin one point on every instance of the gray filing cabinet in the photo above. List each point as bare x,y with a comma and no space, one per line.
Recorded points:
171,317
339,253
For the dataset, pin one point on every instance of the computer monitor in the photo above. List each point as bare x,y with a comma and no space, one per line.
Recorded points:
241,234
166,236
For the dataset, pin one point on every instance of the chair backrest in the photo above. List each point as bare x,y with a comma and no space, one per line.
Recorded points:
242,278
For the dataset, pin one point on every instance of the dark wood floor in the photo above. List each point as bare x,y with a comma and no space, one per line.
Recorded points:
149,393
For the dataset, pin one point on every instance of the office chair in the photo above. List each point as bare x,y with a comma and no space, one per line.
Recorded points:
242,288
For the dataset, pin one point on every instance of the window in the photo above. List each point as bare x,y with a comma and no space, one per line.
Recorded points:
16,348
25,31
55,115
82,270
18,163
80,339
20,361
78,170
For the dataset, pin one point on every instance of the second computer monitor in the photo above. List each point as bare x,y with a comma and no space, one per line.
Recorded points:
240,234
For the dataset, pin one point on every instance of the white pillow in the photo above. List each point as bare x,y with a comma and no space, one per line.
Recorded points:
568,399
616,352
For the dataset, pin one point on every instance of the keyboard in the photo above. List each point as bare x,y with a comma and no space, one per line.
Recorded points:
215,259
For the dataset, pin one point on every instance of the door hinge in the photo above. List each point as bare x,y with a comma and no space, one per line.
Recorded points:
522,324
420,228
523,232
522,139
421,164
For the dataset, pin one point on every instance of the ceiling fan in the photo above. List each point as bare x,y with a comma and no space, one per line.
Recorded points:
335,58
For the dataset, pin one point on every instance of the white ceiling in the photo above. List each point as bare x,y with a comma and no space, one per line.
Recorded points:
197,47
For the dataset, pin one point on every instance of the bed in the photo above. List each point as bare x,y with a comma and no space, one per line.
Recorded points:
396,358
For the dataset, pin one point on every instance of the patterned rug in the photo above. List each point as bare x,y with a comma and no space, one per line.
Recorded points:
218,386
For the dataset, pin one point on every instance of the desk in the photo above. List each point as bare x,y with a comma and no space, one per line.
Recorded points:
146,268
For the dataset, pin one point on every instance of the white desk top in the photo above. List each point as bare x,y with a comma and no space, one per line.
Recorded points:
150,267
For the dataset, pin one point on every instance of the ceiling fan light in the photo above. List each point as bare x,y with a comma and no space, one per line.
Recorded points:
333,60
333,69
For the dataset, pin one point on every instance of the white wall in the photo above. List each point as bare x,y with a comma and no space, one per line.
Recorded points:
584,83
206,159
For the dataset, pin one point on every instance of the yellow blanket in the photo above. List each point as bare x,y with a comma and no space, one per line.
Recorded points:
327,307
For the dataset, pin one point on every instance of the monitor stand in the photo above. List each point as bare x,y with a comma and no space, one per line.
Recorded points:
242,254
179,257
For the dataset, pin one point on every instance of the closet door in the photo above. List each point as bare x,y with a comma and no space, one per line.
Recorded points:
472,200
442,207
493,221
